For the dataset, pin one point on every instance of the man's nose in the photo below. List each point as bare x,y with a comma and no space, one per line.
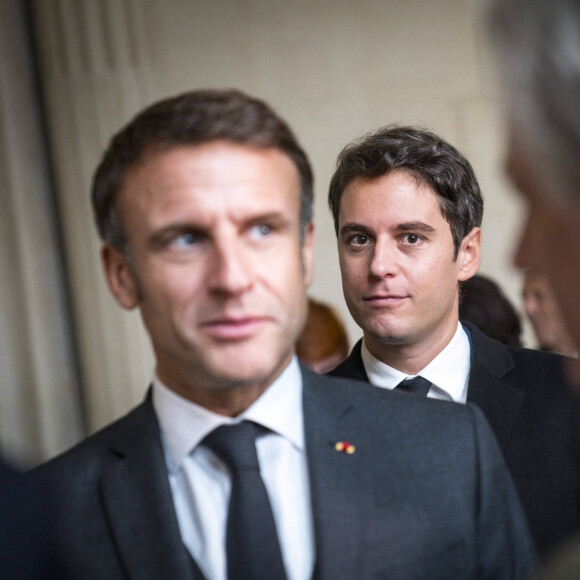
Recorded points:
383,259
230,269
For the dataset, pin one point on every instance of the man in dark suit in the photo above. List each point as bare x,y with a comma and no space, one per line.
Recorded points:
204,205
407,210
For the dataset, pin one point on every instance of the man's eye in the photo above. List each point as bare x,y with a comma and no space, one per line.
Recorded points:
412,239
261,230
185,240
359,240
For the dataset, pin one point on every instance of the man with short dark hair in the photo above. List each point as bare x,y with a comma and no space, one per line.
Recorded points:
407,210
241,463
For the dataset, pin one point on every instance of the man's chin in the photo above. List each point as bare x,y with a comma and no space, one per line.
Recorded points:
388,334
229,378
244,369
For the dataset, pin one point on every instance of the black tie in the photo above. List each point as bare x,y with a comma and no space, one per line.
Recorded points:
417,386
253,549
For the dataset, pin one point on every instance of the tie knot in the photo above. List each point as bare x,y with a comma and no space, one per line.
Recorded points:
417,385
235,445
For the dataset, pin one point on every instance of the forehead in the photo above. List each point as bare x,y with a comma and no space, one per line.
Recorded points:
395,195
210,175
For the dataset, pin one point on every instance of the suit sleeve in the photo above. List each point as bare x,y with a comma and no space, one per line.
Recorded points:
505,546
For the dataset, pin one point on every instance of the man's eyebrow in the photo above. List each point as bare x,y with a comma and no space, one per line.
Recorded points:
161,235
416,226
273,216
176,227
354,228
413,226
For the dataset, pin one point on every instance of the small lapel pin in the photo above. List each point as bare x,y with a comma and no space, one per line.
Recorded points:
345,447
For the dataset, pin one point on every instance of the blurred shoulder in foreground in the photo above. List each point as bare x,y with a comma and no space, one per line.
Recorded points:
27,538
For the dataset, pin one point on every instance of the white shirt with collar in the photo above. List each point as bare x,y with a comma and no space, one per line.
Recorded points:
448,371
201,483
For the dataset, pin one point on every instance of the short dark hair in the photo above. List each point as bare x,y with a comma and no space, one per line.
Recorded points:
428,158
189,119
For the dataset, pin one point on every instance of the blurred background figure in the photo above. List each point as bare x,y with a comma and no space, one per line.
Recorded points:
538,49
483,303
538,53
542,309
323,343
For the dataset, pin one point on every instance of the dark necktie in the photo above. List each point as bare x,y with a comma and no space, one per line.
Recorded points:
253,549
416,385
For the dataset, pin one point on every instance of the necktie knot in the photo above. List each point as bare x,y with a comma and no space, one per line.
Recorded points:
417,385
235,445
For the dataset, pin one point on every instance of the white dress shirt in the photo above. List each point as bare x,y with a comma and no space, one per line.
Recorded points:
448,372
201,483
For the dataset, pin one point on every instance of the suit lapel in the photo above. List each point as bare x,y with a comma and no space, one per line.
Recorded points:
353,367
336,480
138,503
488,388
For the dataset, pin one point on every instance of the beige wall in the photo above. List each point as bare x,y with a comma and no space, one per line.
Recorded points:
334,69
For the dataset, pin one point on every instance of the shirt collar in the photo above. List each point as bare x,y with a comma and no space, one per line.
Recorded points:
448,371
185,424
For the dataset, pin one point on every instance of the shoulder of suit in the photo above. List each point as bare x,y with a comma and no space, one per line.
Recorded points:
485,346
352,367
541,375
533,360
88,451
376,401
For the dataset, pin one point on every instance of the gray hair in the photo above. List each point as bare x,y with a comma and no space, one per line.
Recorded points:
538,46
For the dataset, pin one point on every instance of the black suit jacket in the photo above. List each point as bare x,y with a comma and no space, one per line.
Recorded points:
27,547
425,496
536,419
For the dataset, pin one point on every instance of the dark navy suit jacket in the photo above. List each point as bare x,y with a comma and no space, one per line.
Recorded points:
425,495
28,550
536,419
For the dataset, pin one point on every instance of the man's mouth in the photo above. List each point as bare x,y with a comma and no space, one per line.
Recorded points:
237,328
385,299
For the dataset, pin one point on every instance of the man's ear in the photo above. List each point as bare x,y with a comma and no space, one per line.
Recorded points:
469,255
308,253
120,278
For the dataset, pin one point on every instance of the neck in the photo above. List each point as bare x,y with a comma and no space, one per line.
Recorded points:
411,356
230,400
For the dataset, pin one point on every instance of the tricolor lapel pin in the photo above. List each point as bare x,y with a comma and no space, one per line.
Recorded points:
345,447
